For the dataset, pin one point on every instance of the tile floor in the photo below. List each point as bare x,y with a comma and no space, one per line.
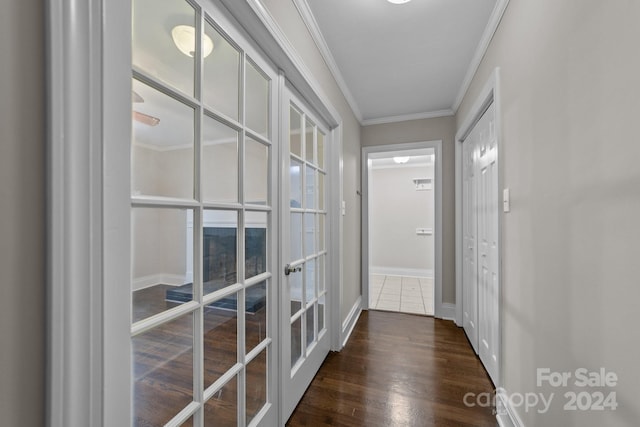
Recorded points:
401,293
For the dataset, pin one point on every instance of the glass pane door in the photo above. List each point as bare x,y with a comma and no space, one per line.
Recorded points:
202,221
305,339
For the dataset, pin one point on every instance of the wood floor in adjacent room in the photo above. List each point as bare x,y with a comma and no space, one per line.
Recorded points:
398,370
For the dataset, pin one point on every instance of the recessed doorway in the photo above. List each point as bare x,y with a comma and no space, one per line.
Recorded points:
401,227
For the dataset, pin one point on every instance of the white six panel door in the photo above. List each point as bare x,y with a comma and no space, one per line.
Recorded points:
469,229
481,235
488,197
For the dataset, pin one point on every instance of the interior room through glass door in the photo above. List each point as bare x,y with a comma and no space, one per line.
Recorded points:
203,224
305,338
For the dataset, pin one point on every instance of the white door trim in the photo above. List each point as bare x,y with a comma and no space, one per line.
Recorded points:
75,377
490,94
440,310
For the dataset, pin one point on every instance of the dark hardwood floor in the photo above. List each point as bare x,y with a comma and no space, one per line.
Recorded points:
163,362
398,370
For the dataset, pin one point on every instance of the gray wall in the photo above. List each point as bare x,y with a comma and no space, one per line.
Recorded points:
396,210
442,128
22,216
570,100
287,16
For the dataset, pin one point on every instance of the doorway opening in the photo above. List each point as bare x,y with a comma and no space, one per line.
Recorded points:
402,228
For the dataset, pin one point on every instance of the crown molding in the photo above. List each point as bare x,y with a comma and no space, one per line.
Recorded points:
406,117
312,25
481,50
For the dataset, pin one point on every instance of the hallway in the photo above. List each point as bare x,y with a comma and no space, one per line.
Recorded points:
398,370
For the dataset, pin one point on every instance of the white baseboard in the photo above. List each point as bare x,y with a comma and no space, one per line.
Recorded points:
158,279
394,271
351,320
506,414
447,311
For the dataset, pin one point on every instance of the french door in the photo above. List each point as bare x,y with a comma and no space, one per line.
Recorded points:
203,222
305,338
481,262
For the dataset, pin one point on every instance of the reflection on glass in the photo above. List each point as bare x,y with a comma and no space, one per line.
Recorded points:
321,307
222,409
220,339
321,219
257,101
162,356
310,280
308,141
310,185
320,150
219,249
295,133
255,315
154,50
295,177
256,172
256,385
309,234
321,276
310,325
162,273
255,243
321,191
188,423
296,341
296,236
162,145
220,81
219,162
295,289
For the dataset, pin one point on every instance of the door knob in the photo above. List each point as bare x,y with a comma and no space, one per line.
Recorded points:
288,269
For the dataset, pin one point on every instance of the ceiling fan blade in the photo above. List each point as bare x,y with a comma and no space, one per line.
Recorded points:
145,118
135,97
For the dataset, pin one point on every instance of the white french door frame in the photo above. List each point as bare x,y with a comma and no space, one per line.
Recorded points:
439,309
296,379
88,79
490,94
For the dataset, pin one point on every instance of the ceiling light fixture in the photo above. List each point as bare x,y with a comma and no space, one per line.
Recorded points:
401,160
184,36
398,1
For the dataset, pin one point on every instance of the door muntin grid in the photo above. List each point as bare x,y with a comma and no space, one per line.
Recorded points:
307,290
208,297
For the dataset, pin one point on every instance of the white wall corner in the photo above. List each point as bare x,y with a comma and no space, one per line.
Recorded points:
312,25
483,45
506,415
350,322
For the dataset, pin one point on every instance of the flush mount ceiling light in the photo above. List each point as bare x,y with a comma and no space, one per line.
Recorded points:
398,1
401,160
184,36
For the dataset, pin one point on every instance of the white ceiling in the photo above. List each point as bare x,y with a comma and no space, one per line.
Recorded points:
400,61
